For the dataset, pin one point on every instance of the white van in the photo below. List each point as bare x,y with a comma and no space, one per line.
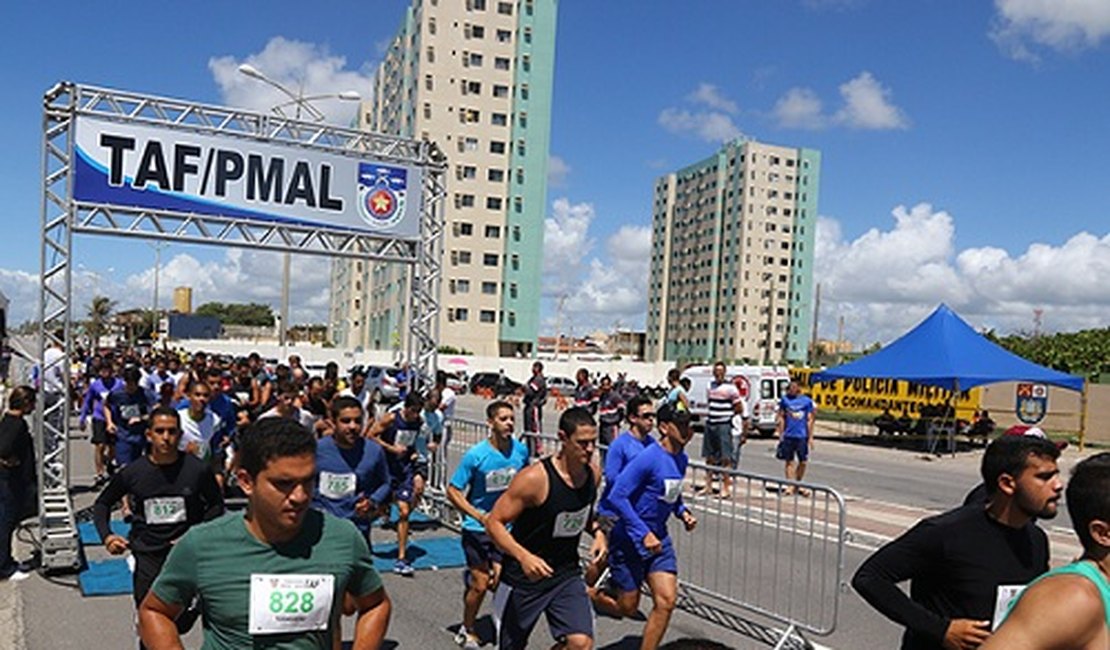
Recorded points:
761,386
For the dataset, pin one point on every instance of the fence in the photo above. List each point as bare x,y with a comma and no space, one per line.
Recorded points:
775,548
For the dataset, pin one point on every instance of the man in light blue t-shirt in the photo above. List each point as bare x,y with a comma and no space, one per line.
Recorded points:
795,430
484,472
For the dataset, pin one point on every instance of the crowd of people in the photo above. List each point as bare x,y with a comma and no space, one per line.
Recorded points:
316,460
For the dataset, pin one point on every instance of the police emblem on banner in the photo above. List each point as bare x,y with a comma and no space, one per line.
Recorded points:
381,194
1032,402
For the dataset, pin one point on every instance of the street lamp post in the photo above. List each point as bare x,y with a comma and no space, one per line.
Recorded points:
302,102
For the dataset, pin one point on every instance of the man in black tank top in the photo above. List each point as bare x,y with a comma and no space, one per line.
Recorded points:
549,504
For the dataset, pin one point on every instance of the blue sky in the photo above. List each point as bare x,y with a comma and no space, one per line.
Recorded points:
962,140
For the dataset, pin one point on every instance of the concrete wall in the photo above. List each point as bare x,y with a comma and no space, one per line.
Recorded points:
1063,409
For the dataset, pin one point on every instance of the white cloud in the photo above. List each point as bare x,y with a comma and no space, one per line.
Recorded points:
710,95
867,104
557,171
713,123
1063,25
299,66
598,289
800,108
884,281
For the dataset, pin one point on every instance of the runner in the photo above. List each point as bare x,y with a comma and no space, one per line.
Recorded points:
152,383
285,405
397,432
199,424
795,429
535,396
625,447
646,493
484,473
96,397
549,504
1069,607
676,396
169,492
354,475
359,391
277,576
126,418
959,561
610,412
585,395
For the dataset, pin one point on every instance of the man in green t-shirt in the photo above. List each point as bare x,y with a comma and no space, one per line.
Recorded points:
277,577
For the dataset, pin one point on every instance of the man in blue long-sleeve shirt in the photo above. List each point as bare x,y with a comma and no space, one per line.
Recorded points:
646,493
96,399
353,478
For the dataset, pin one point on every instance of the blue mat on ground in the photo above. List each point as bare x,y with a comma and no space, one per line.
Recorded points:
89,537
105,578
415,517
423,553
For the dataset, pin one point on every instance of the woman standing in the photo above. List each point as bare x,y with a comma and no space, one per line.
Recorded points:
17,472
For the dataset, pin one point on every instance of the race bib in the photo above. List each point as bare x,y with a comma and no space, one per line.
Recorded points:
164,510
405,437
1007,594
337,486
498,480
672,489
129,411
570,524
289,603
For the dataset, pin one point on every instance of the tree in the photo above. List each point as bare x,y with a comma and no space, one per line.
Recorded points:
253,314
100,310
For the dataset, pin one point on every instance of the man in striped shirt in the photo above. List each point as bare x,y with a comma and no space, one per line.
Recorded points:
724,401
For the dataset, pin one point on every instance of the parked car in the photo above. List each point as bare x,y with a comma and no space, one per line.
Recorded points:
382,383
565,385
498,383
454,382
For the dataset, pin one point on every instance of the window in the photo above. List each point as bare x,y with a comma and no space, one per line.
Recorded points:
461,313
496,146
518,204
475,31
431,25
524,91
469,115
464,200
505,8
516,233
523,119
490,259
427,111
504,36
493,232
467,172
520,176
465,229
464,257
526,62
520,149
487,316
494,202
489,288
512,319
500,91
495,175
429,83
476,5
501,63
499,119
474,60
468,144
527,34
512,290
431,54
471,87
515,262
463,286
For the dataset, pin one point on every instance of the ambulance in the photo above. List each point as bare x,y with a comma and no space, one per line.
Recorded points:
761,386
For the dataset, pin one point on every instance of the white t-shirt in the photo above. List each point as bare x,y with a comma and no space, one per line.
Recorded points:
305,418
447,401
363,397
200,432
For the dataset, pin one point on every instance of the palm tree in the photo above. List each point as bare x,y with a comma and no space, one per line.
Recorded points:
100,310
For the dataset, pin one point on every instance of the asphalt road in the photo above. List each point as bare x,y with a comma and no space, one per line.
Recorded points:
885,491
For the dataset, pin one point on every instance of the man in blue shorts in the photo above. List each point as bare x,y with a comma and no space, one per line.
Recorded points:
397,432
484,472
795,430
645,495
353,478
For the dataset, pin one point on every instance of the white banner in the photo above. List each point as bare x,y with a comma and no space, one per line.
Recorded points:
138,166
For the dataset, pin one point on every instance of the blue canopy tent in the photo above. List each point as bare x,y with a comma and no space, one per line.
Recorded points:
944,351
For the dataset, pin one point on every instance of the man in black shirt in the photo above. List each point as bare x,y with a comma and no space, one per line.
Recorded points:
535,396
958,561
17,472
169,492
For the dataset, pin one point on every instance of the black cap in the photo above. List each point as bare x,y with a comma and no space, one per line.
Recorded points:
668,413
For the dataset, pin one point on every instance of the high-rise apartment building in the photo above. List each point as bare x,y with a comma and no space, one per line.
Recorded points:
732,256
475,77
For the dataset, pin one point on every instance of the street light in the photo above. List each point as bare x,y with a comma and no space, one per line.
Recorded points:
302,102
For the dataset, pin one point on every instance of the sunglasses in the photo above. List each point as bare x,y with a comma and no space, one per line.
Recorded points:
586,444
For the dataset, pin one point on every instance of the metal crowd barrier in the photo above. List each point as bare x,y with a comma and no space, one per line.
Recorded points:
774,548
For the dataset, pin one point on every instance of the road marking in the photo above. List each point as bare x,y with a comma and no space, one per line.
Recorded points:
851,468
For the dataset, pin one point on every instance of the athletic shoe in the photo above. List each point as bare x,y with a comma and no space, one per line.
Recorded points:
467,640
461,636
403,568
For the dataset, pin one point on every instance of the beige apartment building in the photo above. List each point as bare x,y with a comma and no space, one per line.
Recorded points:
475,77
732,256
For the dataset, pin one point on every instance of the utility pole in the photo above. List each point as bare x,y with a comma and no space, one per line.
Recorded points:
816,319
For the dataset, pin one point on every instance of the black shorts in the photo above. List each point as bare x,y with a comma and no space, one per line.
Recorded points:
147,567
479,549
566,606
100,432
